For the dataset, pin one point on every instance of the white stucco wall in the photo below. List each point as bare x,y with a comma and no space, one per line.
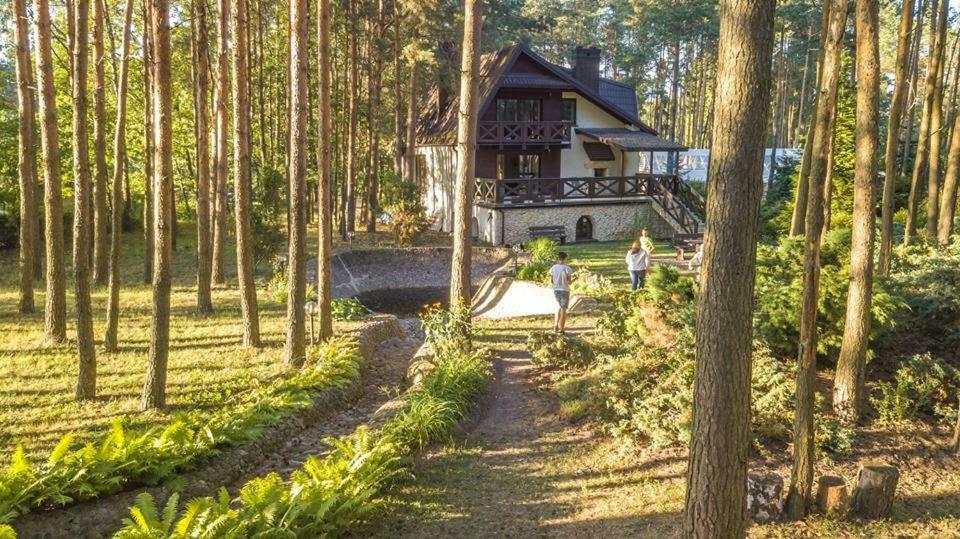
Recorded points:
438,193
574,161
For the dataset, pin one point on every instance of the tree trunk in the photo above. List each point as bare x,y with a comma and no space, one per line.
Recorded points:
936,131
154,389
119,168
674,89
410,147
375,78
948,202
876,487
241,176
100,214
929,97
397,92
777,111
55,309
26,159
325,184
801,477
460,279
202,133
848,387
353,88
294,351
218,204
148,82
900,91
720,436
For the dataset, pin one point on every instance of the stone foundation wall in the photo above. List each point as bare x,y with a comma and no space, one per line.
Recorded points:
610,221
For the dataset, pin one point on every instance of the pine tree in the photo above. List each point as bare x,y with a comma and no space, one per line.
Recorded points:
100,213
26,159
202,131
325,183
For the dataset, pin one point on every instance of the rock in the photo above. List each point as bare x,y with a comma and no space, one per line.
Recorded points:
876,485
832,495
764,497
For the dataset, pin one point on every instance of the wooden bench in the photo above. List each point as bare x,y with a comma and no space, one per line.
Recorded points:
556,233
683,242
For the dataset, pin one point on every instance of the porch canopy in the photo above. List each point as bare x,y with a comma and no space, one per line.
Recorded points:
631,141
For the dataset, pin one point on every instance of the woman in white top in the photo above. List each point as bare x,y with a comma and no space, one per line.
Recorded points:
638,260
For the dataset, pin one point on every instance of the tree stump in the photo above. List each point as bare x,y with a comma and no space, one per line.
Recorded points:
764,497
832,496
876,485
956,430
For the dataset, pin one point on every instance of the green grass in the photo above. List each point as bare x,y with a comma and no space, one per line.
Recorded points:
607,258
37,406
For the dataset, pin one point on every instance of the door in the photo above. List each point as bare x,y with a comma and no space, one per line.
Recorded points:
584,229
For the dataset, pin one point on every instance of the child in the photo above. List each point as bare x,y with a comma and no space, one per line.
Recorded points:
638,260
561,275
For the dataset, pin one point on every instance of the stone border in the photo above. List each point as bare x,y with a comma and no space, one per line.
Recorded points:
100,516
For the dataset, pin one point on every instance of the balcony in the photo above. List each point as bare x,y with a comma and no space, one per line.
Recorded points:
550,191
523,133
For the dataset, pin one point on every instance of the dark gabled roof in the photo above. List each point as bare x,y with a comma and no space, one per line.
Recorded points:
439,126
631,141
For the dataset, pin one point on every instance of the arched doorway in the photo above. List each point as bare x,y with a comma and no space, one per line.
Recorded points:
584,229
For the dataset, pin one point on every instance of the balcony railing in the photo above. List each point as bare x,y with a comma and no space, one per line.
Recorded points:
559,190
523,132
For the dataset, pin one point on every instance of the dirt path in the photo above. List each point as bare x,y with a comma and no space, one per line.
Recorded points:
383,381
523,471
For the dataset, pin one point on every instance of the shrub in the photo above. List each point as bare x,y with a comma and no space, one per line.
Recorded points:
543,250
537,272
614,321
922,384
673,294
835,437
278,285
559,351
347,309
448,331
407,214
591,284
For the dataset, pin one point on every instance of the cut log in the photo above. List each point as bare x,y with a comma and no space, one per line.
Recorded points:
876,485
764,497
832,495
956,430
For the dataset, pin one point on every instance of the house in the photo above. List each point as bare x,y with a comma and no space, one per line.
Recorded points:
557,148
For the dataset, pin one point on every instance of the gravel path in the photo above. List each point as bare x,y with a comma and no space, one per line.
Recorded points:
382,381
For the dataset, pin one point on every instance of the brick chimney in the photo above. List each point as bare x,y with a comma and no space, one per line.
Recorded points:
586,66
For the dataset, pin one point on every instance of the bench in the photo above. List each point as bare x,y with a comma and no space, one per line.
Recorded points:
557,233
682,242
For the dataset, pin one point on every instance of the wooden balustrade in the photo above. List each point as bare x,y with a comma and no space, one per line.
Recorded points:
523,132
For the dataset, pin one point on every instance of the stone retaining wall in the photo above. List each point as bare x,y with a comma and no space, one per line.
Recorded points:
101,516
610,221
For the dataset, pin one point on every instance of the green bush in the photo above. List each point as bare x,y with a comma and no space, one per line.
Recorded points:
325,496
149,456
448,331
555,350
537,272
779,287
278,288
923,385
347,309
592,284
543,250
674,294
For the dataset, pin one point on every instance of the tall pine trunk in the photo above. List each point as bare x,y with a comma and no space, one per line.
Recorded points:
848,387
900,91
149,165
410,141
294,351
100,213
119,170
218,208
325,184
26,159
397,92
920,163
373,119
936,124
241,175
720,437
801,477
154,389
349,204
202,133
83,212
55,309
460,278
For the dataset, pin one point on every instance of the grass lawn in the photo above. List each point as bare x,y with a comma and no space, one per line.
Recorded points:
607,258
206,362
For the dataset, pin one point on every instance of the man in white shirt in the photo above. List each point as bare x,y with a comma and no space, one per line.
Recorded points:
638,260
561,275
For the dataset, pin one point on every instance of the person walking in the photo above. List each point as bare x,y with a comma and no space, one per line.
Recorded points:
646,242
638,260
561,275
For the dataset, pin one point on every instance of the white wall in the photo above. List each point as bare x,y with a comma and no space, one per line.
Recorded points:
438,193
574,162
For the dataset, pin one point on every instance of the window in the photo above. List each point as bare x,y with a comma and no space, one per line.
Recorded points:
600,172
523,110
570,111
524,165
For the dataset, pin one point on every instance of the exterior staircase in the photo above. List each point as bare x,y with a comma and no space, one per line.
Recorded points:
681,206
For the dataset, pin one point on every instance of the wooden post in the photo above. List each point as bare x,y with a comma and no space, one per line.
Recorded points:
832,496
876,485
